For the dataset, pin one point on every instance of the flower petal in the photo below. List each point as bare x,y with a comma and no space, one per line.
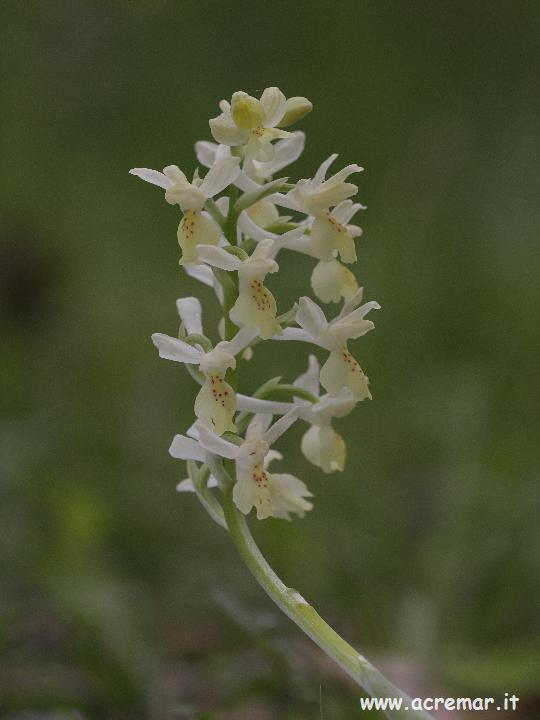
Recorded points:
225,131
292,240
241,340
245,493
287,494
218,257
152,176
274,104
311,317
340,176
271,455
285,152
340,371
254,405
319,176
206,152
258,425
208,440
361,312
215,404
220,175
325,448
310,379
329,407
184,448
281,426
175,175
190,313
296,334
174,349
353,303
331,281
251,229
346,210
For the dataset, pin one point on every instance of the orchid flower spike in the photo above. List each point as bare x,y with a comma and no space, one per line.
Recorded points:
196,227
224,232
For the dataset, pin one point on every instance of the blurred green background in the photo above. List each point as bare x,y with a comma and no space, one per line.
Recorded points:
120,598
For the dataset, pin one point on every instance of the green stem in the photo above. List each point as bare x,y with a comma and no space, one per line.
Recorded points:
199,478
197,339
308,620
232,216
215,212
230,288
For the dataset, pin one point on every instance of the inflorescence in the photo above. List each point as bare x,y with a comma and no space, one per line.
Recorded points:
231,243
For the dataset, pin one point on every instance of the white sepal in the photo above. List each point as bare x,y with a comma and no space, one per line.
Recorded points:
174,349
190,312
184,448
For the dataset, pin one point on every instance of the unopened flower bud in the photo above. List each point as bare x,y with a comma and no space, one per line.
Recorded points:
297,108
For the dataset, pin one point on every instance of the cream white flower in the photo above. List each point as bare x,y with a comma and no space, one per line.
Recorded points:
325,448
321,444
196,227
330,232
215,403
271,494
331,281
341,370
251,122
318,193
255,306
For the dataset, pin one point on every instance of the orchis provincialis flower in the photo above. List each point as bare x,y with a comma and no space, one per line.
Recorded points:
321,444
215,403
331,281
316,197
195,227
253,124
255,306
272,494
340,370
